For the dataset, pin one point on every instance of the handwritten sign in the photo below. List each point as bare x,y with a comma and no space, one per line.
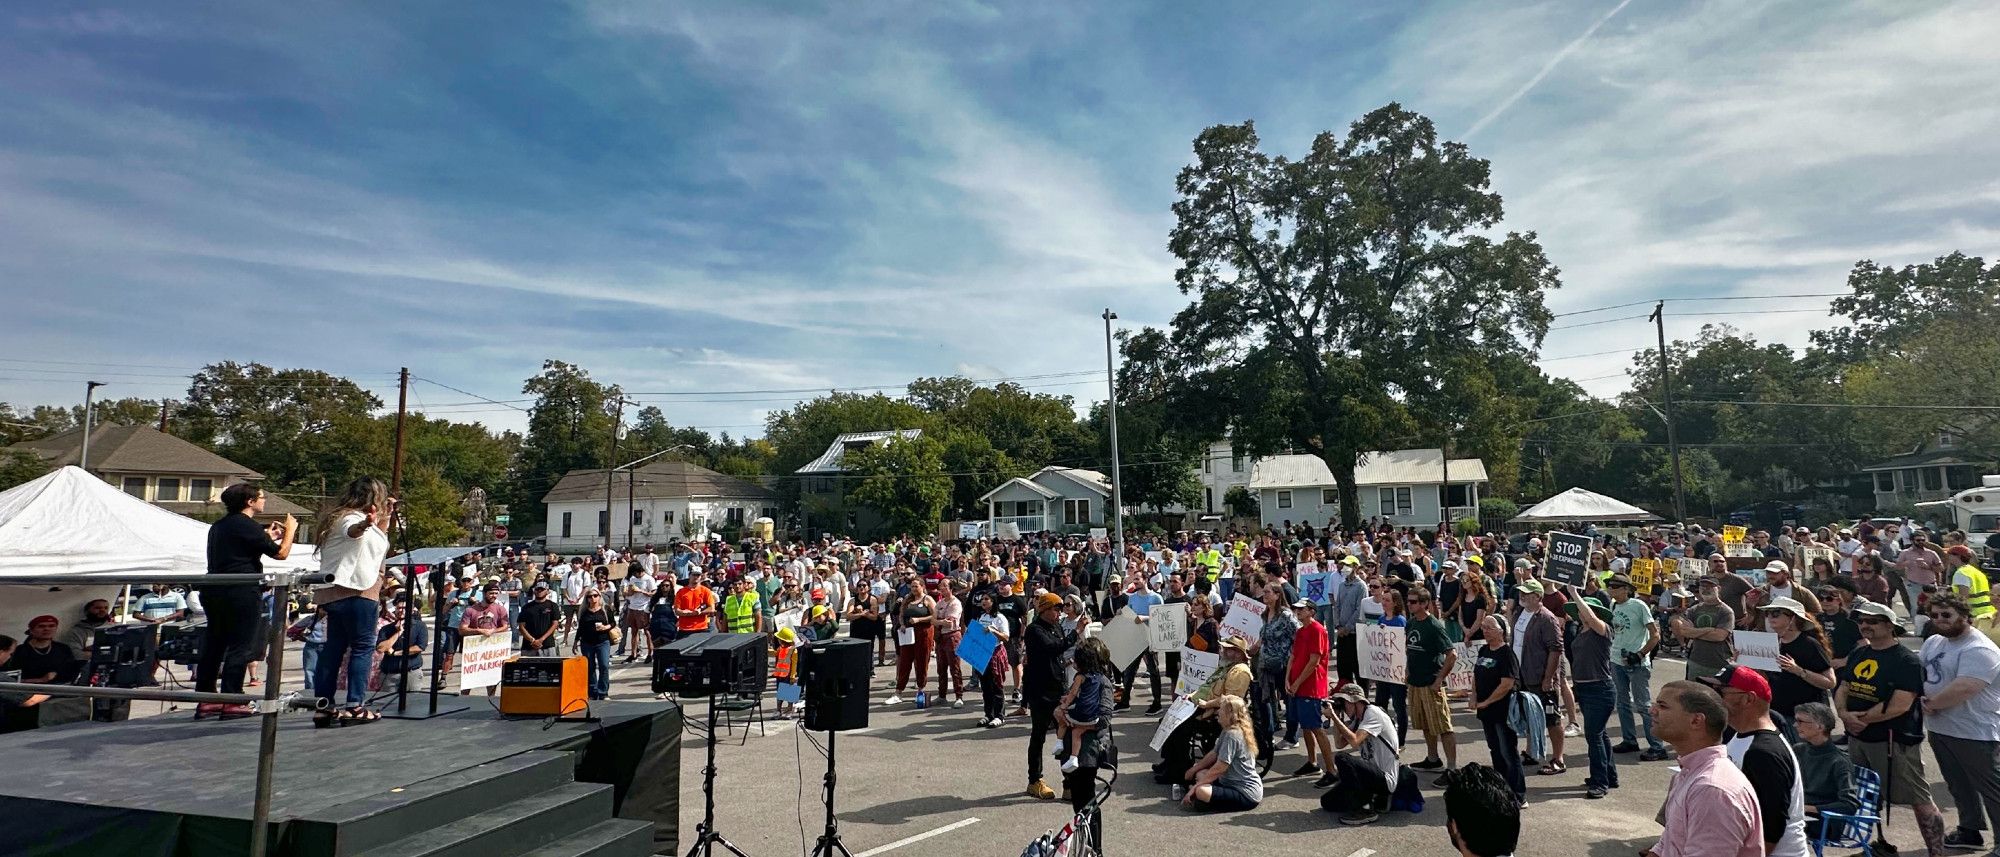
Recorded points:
1245,619
482,657
1757,650
1384,652
1196,667
1097,534
1317,587
1176,715
1569,558
1167,627
1460,678
1809,553
1670,566
1125,637
1642,572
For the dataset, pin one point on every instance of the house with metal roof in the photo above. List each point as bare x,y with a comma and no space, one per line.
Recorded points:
170,472
1936,469
824,486
1052,499
1406,487
652,504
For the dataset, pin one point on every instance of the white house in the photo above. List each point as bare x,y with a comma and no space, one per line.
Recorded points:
1051,499
654,503
1404,486
1222,469
823,502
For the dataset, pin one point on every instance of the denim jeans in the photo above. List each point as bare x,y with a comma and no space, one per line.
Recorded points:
1505,746
309,662
1392,697
1633,687
599,655
1595,698
350,633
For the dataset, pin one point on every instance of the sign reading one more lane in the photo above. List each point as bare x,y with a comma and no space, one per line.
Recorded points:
1569,558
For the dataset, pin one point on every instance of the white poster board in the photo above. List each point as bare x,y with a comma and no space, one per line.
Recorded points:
1757,650
1384,653
1245,619
1460,678
1097,534
1181,710
1125,637
968,530
1196,667
481,659
1007,531
1166,626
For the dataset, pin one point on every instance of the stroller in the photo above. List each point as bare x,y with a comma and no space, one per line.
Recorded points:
1075,838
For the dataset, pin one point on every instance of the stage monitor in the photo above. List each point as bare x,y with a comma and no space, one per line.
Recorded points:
706,664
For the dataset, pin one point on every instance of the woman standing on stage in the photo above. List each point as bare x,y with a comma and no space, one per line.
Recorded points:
236,545
594,625
353,538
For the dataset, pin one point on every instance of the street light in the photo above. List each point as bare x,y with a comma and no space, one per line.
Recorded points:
89,394
631,491
1117,486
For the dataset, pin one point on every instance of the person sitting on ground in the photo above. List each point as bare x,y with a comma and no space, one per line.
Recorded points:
1226,779
1080,712
1481,815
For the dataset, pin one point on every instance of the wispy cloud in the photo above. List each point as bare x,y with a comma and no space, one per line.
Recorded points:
1543,72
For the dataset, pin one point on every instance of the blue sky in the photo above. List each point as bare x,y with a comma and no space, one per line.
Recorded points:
688,198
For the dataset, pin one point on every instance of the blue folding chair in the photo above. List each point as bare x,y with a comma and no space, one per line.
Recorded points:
1857,830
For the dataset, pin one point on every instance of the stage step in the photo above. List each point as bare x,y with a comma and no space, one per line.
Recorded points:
358,826
615,838
509,829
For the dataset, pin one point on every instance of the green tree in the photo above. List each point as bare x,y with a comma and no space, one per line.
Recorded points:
800,434
1892,308
569,428
18,467
976,468
1337,294
1950,363
431,506
1158,465
1241,503
904,480
284,423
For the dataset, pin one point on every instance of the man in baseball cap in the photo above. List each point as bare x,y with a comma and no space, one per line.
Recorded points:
1364,778
1766,759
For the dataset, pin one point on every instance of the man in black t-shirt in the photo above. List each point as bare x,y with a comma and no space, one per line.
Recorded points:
237,544
1877,701
41,659
539,619
1766,760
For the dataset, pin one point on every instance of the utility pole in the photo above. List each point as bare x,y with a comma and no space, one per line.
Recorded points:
89,399
402,408
1117,485
1659,321
165,406
611,475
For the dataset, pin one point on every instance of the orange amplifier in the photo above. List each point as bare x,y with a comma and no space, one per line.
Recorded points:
544,687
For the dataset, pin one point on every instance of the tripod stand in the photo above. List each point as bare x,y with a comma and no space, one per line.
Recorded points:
706,837
829,841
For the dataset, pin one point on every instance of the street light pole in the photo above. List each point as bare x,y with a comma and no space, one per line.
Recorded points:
1117,484
89,398
631,493
611,476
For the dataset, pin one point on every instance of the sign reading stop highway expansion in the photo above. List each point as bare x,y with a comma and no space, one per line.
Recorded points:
1569,558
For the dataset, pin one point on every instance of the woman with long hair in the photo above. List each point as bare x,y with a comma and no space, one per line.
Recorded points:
1390,696
353,539
914,624
594,624
1226,779
1805,665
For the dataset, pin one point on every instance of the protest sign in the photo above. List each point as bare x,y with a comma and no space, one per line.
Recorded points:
1196,667
1007,530
976,647
1181,710
1097,534
1384,652
1757,650
1317,587
1643,572
1125,637
1569,558
968,530
1809,553
789,692
1460,678
480,658
1245,619
1166,626
906,637
1670,566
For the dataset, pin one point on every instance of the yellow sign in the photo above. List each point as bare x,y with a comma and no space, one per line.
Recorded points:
1670,566
1734,535
1642,572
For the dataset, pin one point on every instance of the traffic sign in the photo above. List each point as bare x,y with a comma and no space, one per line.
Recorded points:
500,533
503,520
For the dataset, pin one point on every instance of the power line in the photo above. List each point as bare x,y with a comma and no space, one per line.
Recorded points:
1600,321
1885,407
1591,354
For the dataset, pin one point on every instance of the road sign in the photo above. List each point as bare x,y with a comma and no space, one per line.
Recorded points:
500,533
503,520
1569,558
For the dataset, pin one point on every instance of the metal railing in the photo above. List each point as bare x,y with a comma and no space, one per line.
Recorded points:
268,706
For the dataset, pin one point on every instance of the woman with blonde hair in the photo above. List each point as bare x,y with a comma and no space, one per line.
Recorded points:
1226,779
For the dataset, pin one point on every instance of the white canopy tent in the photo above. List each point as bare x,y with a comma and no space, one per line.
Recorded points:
70,522
1582,506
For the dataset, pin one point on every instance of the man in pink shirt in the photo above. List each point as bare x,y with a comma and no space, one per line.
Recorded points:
1711,808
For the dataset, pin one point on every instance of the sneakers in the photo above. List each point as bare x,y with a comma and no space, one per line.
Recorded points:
1959,837
1070,765
1040,791
1286,745
1626,747
1180,793
1123,705
1444,779
1326,779
1154,708
1573,730
990,723
1596,792
894,699
1307,768
1428,764
1360,817
958,702
1655,755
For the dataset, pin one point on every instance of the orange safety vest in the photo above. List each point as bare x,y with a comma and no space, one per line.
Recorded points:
782,671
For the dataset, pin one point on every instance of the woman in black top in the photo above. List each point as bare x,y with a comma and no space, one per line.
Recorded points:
593,636
237,544
1494,674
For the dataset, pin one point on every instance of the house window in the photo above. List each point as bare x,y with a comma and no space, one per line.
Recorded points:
1403,502
1076,511
1946,440
1235,462
1885,482
136,486
1284,499
668,519
1909,479
169,489
1208,500
1459,495
1933,479
566,520
1329,496
604,522
638,517
734,515
1208,464
201,490
1386,497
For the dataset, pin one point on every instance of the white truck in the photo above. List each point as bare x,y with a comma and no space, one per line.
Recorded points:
1974,510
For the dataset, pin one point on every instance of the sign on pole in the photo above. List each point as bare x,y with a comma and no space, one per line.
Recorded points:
1569,558
482,659
1166,626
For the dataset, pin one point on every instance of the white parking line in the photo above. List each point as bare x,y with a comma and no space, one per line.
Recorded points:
1365,852
920,837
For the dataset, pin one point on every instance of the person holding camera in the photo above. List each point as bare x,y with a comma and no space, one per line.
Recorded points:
1634,636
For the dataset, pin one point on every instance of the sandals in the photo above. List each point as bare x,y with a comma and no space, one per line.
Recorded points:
345,717
1553,768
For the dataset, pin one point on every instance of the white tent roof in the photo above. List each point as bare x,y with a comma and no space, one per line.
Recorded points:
70,522
1577,504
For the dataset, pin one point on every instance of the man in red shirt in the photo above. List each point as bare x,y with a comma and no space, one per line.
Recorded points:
1305,690
694,604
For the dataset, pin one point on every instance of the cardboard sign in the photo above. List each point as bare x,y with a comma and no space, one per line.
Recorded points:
1125,637
1179,713
1317,587
1460,678
1734,535
1643,572
1808,553
1196,667
968,531
1097,534
1245,619
1385,653
1670,566
976,647
1166,627
1569,558
1757,650
481,658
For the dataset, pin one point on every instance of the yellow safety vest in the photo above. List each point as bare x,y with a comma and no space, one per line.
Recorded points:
1981,600
741,611
1210,559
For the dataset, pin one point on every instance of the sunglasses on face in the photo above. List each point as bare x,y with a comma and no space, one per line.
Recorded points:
1871,620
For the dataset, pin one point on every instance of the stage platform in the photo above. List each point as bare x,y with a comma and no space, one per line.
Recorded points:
472,782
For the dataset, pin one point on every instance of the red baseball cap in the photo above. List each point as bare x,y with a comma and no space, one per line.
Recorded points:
1741,678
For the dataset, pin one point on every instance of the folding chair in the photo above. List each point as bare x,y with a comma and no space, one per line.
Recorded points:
1843,830
749,705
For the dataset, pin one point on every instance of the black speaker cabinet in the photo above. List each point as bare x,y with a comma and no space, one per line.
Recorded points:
707,663
834,675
